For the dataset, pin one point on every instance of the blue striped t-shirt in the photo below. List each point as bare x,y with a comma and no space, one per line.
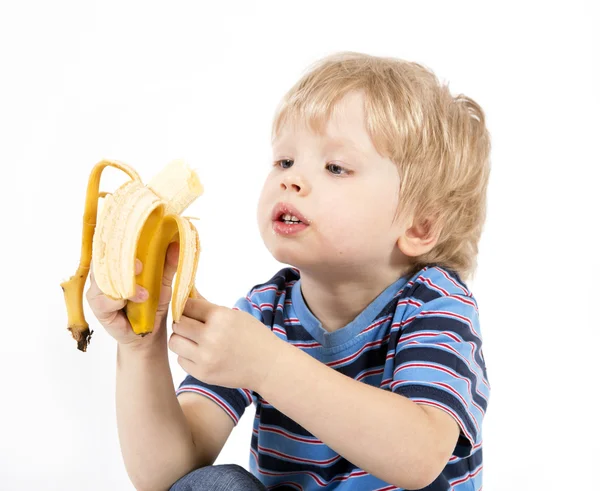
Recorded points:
419,338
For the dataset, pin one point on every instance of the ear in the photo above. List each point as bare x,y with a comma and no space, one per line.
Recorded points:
418,239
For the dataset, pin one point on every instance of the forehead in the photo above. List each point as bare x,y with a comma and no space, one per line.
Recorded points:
344,128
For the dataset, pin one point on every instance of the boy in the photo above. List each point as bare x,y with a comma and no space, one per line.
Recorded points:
364,358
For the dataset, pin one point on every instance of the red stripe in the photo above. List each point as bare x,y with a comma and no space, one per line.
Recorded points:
305,345
466,478
312,441
430,335
266,289
466,301
435,286
299,459
368,373
280,331
409,301
375,324
372,344
452,280
252,303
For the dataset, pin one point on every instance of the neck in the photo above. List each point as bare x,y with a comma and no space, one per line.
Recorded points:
336,300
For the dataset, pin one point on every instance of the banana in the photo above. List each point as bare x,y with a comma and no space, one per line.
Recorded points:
140,221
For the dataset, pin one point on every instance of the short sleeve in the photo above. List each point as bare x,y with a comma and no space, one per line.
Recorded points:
439,362
232,401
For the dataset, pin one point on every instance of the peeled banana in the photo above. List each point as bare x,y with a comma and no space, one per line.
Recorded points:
140,221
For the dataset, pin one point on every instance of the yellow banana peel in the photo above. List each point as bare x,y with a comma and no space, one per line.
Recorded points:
137,221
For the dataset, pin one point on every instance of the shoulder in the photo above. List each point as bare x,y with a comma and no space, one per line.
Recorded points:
437,287
278,284
266,295
434,281
436,300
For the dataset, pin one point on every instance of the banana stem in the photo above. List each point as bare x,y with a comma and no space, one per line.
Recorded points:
73,287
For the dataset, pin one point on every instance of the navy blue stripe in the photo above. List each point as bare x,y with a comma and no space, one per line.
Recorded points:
297,333
369,359
421,292
438,356
272,417
283,276
267,316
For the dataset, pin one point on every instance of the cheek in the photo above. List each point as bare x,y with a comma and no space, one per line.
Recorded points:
264,206
342,224
358,225
263,199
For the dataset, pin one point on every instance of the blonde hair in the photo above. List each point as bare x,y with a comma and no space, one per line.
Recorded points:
439,143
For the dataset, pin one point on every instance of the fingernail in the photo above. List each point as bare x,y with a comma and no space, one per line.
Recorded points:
143,294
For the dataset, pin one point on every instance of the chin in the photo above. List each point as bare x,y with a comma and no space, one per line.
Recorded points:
282,254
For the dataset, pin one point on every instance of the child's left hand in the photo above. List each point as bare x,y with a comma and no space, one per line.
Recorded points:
222,346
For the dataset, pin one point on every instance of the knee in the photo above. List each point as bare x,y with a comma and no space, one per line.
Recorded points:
226,477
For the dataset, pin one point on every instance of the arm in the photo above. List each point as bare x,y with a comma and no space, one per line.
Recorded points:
156,432
410,450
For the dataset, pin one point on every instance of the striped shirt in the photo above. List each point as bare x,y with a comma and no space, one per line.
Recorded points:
419,338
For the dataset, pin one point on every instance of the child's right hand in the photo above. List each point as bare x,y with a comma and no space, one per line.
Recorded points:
110,312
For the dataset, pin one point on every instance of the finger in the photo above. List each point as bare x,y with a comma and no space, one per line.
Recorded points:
171,261
94,294
103,306
188,365
182,346
198,308
170,268
189,329
138,269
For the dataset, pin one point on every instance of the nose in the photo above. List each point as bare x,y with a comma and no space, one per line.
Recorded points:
295,183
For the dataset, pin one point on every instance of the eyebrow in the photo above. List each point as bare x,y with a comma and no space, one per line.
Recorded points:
335,143
345,143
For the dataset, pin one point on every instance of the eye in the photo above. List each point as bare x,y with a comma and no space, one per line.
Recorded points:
284,163
337,170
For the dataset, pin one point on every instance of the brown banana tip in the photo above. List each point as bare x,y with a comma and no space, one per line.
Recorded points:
82,336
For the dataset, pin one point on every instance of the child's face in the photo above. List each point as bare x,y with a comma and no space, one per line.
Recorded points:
345,190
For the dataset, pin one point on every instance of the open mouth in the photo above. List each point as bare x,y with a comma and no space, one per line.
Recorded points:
288,225
289,219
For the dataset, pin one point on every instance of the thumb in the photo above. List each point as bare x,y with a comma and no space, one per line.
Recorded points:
198,307
170,268
171,261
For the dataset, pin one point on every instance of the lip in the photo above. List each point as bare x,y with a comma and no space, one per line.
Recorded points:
284,208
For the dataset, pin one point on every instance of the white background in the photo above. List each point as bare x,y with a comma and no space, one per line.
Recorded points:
146,83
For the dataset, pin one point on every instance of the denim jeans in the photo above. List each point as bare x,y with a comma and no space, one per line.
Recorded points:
224,477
